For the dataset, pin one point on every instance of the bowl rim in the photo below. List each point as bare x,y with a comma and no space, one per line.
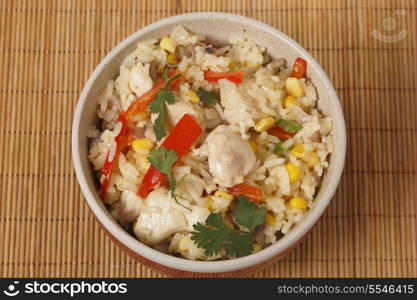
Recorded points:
183,264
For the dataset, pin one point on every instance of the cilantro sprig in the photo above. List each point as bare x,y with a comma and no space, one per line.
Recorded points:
289,126
208,98
248,213
163,160
215,236
164,95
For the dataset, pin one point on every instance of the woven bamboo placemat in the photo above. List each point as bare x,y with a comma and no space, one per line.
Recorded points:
49,48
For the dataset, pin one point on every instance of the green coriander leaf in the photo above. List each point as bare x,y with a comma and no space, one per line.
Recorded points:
248,213
215,236
157,105
289,126
215,220
169,96
212,238
159,125
163,160
238,244
279,148
208,98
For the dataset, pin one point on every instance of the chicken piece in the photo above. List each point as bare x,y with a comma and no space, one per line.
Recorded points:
230,158
130,206
177,110
212,117
190,187
139,79
237,107
182,37
160,218
197,214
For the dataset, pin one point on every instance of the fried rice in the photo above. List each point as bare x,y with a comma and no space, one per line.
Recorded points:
236,146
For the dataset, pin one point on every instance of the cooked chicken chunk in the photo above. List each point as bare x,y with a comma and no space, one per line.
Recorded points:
237,107
160,217
130,206
230,158
139,79
177,110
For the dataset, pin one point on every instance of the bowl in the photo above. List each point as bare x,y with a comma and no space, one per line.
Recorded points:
219,28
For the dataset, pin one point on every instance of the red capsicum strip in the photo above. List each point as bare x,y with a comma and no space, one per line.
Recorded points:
300,68
180,139
252,192
235,77
123,140
125,137
280,133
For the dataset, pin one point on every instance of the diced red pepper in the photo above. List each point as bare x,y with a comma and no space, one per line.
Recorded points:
300,68
141,104
235,77
252,192
180,139
125,137
123,140
280,133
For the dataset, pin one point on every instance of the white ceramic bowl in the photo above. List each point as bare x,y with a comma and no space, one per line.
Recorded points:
218,27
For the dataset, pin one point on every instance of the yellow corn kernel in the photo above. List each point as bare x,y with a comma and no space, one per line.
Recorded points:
298,202
270,219
144,164
168,44
256,247
224,195
264,124
142,144
253,145
182,244
293,172
210,203
172,59
193,96
298,150
293,87
312,159
289,100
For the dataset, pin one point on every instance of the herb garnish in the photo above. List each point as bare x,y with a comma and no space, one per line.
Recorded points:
248,213
214,235
208,98
163,160
165,95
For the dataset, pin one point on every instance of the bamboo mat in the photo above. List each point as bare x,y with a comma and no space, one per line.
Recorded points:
49,48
